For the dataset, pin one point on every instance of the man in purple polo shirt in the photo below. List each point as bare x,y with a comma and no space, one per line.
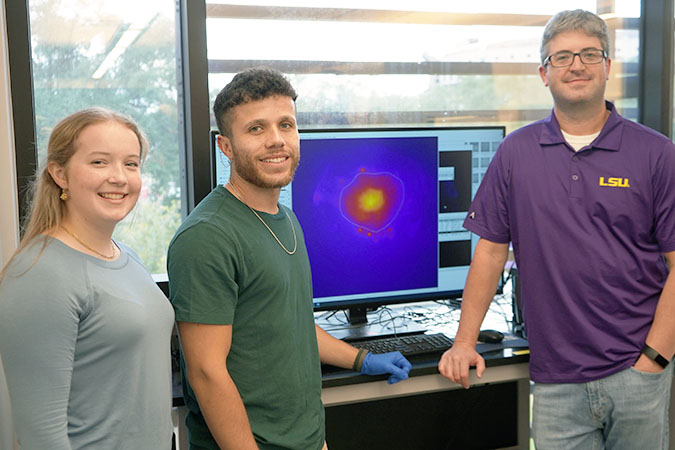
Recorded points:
588,200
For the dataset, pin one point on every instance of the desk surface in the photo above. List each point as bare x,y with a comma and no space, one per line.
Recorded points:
332,377
495,355
435,317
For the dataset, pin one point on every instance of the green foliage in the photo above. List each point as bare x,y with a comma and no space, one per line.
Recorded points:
141,84
148,229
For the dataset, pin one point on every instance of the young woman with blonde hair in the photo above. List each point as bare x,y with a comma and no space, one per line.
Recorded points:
84,330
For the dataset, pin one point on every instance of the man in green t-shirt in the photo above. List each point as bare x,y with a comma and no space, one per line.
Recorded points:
240,283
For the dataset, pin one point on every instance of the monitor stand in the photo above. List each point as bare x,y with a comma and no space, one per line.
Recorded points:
359,327
357,316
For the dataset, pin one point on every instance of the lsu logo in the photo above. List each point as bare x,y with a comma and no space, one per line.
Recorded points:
614,182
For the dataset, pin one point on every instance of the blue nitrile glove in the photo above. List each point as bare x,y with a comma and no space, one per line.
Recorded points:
392,362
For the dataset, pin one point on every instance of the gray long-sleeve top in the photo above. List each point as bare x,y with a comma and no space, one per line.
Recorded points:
85,345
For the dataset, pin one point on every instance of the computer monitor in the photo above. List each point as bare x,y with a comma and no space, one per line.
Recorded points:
382,211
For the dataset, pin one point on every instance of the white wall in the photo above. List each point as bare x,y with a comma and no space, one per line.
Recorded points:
9,230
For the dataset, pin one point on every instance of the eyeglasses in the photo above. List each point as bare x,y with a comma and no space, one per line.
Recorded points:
565,58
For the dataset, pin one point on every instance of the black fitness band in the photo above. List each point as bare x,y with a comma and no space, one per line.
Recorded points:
655,356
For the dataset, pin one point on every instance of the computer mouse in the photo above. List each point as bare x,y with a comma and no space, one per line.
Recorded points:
490,336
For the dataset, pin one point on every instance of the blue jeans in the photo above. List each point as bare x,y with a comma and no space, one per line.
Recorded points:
624,411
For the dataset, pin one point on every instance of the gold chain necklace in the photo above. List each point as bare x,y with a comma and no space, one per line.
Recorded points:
112,247
295,239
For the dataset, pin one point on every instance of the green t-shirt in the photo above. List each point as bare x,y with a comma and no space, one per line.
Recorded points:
226,268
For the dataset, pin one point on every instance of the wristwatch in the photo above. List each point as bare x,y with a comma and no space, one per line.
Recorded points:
655,356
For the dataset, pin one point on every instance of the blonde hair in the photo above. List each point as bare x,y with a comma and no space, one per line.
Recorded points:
46,210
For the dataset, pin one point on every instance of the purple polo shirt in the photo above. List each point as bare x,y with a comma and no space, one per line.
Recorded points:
588,231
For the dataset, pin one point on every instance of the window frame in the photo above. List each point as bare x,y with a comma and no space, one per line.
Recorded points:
23,113
655,95
655,99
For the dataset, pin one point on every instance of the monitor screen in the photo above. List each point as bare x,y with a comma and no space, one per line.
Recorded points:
382,210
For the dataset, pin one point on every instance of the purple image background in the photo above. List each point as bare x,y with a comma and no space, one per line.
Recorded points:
345,261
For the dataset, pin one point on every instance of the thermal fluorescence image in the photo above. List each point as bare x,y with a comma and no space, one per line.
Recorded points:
369,211
371,201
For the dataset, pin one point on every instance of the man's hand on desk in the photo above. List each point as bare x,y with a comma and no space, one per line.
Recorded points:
392,362
456,362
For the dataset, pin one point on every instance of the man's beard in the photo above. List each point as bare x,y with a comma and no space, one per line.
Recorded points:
247,170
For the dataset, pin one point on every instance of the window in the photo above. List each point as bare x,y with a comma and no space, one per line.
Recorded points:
120,55
354,63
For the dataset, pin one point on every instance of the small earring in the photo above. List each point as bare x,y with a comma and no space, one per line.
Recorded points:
64,195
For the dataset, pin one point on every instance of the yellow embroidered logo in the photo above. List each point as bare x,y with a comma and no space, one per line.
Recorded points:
614,182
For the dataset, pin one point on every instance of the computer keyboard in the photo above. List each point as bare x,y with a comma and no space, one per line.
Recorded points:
410,345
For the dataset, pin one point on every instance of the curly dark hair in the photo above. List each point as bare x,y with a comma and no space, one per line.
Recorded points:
249,85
